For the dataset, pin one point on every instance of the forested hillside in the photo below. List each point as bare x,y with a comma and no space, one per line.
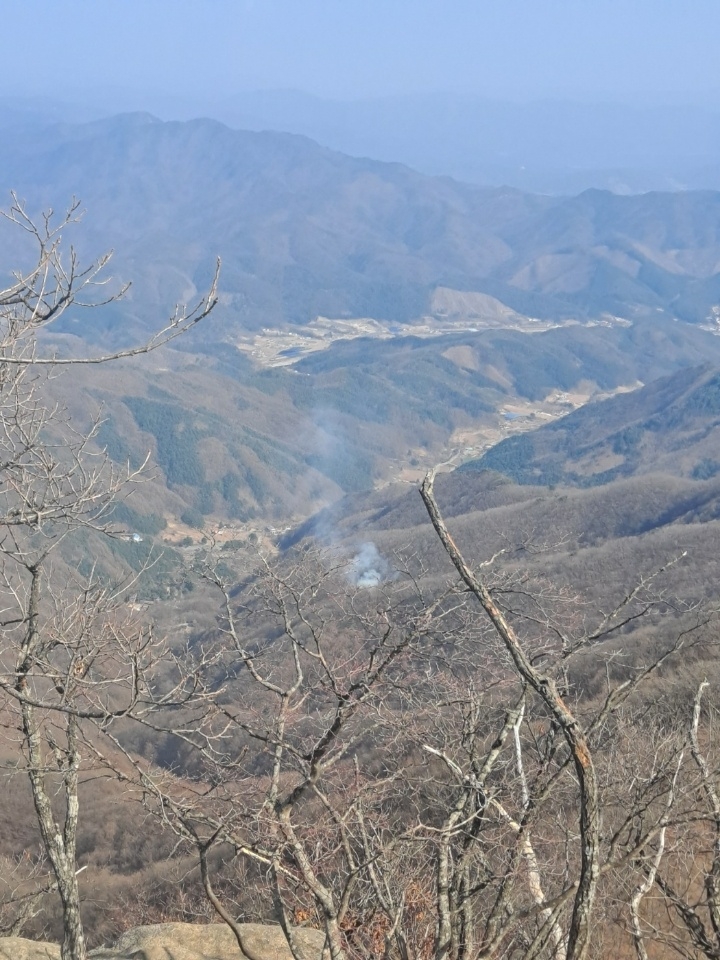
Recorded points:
670,426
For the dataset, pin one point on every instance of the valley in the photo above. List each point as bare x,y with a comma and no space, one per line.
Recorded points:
242,450
470,314
515,417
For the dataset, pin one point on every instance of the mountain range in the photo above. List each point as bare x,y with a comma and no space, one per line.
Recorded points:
543,146
307,231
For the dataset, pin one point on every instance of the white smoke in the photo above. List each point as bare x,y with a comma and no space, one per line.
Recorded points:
368,567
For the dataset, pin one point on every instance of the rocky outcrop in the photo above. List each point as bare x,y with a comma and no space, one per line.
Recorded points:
182,941
18,948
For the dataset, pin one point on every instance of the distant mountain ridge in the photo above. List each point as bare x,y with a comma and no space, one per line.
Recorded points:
546,146
306,231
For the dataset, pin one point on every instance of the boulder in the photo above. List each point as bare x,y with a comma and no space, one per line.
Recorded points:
18,948
212,941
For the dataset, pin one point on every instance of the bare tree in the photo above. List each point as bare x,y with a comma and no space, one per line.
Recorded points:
296,695
545,687
676,903
572,756
399,772
70,651
25,883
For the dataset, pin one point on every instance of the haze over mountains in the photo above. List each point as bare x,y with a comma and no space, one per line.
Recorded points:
541,145
545,146
305,231
476,239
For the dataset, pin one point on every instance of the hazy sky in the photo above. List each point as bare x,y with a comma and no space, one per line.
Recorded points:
520,49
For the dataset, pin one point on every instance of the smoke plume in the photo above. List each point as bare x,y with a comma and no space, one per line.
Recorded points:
368,567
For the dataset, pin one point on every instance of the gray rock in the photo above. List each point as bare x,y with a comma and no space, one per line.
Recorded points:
18,948
214,941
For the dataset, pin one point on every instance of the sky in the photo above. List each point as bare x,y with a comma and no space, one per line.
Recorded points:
627,50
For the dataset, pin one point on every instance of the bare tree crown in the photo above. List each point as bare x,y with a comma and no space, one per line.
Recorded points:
71,649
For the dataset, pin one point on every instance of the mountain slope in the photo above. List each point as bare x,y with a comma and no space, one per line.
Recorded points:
670,426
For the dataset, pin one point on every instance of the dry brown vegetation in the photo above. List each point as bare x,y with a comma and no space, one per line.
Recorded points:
517,760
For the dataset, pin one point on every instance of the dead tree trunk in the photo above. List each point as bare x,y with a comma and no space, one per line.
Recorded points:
546,688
